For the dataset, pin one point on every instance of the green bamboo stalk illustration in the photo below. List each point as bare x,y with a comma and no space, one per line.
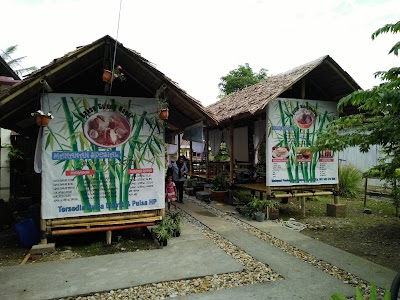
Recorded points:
94,164
77,164
97,168
126,177
315,155
288,165
111,174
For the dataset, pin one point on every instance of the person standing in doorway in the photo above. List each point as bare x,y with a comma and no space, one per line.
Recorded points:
179,169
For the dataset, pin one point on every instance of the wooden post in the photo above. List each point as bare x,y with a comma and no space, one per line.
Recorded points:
179,146
303,206
43,230
365,192
336,195
231,152
207,157
191,157
108,237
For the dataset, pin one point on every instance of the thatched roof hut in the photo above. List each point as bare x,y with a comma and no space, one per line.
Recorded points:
80,72
322,79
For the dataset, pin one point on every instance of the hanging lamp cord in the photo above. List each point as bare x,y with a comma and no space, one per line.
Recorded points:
115,47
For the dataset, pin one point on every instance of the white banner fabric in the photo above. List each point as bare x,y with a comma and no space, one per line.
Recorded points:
294,126
101,155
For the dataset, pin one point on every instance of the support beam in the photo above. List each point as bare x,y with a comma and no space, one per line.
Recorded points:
98,229
231,152
207,157
179,146
191,157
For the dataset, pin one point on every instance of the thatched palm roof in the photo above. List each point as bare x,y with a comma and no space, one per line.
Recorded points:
6,70
324,80
80,72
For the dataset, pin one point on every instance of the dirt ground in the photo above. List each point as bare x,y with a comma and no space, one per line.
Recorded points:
74,246
374,236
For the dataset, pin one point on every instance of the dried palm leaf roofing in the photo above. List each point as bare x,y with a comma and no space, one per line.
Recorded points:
322,79
79,72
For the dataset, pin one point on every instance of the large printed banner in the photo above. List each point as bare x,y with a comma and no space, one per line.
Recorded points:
101,155
293,127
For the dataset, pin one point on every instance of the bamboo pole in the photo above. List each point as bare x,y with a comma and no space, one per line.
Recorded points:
179,146
191,157
365,192
99,219
27,256
108,237
303,194
108,223
207,157
98,229
336,195
231,151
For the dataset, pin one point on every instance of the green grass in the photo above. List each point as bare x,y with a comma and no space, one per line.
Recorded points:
316,207
350,181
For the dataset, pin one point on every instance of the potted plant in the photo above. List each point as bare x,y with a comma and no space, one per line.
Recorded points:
175,219
219,189
162,103
162,233
109,76
272,209
257,209
162,108
42,119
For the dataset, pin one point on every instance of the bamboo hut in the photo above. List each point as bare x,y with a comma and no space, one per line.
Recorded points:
287,111
94,151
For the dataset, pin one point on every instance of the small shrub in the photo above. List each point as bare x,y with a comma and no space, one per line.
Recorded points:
350,181
359,296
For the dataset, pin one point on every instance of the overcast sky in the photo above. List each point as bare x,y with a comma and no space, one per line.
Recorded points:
196,42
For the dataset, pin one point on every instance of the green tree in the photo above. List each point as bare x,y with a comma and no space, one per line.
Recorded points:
377,121
240,78
15,63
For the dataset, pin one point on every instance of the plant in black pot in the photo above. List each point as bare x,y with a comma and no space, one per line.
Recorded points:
219,188
162,232
175,219
256,209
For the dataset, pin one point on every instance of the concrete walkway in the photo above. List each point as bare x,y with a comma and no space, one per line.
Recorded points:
193,255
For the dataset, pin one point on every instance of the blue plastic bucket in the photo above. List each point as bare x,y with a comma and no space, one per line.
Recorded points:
27,233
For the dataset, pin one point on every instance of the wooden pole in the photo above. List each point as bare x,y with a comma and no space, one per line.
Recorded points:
303,206
207,156
179,146
191,157
365,192
336,195
231,152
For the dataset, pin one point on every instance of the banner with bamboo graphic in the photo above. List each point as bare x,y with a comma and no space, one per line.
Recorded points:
101,155
293,127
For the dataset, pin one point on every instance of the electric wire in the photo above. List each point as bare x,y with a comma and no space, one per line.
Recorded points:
115,47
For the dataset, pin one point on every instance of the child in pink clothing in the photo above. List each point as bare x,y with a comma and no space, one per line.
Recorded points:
170,192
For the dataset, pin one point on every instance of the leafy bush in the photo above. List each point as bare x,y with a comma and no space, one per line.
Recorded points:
219,183
359,296
350,181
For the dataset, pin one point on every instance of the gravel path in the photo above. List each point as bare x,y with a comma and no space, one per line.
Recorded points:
254,271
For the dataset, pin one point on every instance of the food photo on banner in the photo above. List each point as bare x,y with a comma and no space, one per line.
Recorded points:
293,128
101,155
